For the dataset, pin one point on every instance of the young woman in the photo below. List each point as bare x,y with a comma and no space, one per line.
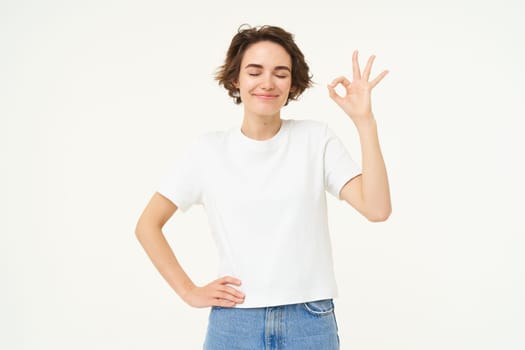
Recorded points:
263,187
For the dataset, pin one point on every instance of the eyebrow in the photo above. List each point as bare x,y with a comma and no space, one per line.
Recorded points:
254,65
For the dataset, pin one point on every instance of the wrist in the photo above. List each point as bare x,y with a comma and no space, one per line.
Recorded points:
366,123
185,289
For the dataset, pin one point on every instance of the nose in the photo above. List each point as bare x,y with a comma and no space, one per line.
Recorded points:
267,83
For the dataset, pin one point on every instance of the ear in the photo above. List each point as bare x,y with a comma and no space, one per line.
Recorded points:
293,88
236,83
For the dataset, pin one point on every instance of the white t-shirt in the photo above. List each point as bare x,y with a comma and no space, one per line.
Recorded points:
266,206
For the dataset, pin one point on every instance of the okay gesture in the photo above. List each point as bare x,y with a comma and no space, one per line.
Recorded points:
357,101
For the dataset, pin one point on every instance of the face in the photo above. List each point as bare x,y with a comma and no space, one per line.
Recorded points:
265,79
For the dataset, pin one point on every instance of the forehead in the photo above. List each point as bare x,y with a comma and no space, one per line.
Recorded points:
266,53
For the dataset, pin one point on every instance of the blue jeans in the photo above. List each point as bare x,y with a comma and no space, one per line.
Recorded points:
303,326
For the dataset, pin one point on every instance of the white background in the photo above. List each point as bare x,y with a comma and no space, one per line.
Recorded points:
98,97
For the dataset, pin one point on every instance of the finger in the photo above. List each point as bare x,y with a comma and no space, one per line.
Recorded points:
229,280
333,94
380,77
223,303
227,296
235,292
355,67
232,293
341,80
368,68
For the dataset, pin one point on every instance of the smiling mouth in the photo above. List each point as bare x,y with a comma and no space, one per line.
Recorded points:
266,96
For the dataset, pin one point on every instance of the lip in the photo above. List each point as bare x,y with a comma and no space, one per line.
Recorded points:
266,96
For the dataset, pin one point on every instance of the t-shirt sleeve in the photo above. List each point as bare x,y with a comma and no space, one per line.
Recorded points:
183,183
339,167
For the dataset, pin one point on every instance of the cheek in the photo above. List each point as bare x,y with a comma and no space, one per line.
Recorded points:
285,85
246,84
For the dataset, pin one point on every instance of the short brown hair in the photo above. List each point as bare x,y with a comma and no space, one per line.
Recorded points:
228,73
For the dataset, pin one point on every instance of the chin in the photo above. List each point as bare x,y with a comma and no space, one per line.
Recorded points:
269,112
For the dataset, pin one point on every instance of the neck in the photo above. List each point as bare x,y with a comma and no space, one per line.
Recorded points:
261,128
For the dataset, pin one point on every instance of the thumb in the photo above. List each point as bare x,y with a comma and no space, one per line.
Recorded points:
333,94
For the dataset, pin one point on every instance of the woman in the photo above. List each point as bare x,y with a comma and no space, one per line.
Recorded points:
263,187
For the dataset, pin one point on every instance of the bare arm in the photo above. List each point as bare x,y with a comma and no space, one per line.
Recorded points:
149,233
369,193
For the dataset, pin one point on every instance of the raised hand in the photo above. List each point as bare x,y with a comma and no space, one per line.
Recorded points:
356,103
216,293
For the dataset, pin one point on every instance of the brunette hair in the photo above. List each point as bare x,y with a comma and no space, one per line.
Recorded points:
246,35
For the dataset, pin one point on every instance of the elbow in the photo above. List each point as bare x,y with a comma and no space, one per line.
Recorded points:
140,230
379,215
146,229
